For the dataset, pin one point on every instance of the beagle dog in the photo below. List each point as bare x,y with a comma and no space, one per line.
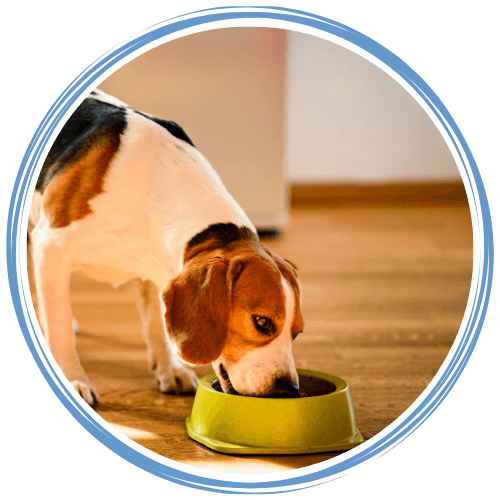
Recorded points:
123,195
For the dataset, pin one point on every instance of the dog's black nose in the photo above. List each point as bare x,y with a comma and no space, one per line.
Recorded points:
285,388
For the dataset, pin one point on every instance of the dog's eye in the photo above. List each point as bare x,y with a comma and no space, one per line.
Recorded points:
264,325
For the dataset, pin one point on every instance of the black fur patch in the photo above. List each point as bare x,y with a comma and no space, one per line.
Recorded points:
172,127
77,135
225,233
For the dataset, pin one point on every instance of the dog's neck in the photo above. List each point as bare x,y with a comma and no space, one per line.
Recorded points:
183,207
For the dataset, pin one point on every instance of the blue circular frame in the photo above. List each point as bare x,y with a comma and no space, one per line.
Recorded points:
479,209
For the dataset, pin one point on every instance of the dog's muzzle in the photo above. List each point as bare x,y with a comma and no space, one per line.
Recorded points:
283,387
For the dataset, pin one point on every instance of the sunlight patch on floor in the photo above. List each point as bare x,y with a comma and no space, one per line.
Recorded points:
132,433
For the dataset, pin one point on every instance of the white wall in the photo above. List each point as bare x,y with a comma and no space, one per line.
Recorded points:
348,121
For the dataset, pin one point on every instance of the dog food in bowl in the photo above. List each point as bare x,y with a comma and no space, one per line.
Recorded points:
309,386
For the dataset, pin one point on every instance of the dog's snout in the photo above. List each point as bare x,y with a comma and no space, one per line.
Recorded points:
285,388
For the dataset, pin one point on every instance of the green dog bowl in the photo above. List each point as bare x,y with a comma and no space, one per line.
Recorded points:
322,421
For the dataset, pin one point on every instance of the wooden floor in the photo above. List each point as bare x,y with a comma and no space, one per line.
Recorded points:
384,293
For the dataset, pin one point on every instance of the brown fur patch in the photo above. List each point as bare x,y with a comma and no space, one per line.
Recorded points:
66,198
197,313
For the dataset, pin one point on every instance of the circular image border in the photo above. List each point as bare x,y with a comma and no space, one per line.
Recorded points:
472,323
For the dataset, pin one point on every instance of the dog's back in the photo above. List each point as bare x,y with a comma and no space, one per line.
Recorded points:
76,166
120,186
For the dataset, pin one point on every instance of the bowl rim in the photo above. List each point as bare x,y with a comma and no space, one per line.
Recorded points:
340,386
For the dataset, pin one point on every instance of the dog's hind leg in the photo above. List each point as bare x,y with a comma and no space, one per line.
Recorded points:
31,277
52,279
171,374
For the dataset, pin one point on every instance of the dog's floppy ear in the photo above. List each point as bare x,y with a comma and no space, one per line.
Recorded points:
198,307
285,266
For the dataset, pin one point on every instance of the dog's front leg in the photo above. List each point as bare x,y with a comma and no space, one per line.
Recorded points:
171,374
52,274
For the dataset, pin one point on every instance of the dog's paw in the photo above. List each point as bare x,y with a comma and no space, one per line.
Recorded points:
86,391
178,380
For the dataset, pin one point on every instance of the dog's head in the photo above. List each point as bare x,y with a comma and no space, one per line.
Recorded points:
236,305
